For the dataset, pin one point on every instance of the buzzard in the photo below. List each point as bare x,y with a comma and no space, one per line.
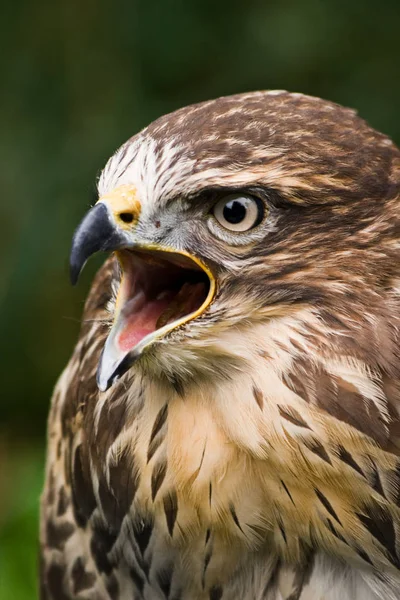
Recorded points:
228,425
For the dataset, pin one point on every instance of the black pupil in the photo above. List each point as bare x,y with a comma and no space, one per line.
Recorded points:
234,211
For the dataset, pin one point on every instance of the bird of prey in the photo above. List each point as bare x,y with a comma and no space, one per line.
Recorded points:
228,425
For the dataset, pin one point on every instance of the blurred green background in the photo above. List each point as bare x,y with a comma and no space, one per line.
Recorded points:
79,77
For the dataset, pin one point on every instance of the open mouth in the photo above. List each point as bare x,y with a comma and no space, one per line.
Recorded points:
160,290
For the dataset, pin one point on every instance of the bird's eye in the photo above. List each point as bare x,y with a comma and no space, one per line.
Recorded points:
239,212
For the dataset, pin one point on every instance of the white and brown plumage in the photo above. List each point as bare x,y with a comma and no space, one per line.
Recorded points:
245,444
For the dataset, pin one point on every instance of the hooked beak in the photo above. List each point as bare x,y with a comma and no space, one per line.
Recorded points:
161,288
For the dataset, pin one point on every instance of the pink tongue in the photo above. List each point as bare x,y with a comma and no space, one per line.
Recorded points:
142,322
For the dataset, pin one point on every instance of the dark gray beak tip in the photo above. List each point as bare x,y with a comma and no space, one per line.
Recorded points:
75,260
96,232
74,272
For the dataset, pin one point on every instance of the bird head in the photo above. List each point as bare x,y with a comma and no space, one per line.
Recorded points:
233,217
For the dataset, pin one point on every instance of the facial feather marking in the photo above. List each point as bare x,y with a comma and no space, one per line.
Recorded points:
150,166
